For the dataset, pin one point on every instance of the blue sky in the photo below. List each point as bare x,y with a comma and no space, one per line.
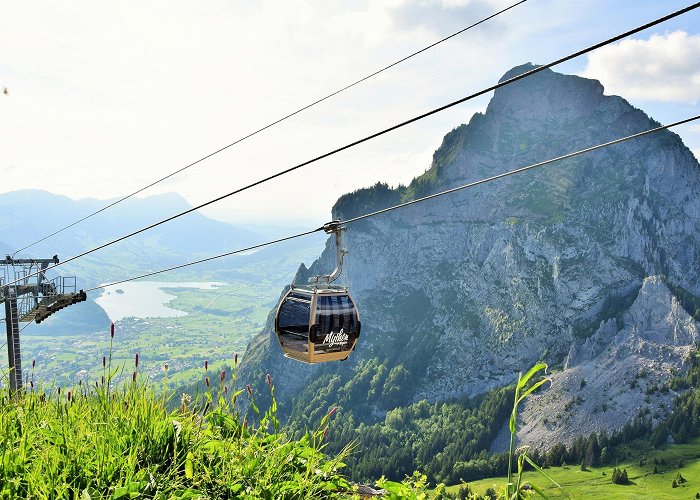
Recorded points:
105,97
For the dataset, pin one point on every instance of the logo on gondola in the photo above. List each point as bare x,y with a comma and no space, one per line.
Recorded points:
340,338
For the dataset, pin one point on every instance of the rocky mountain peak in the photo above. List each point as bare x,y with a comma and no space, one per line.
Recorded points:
460,293
545,95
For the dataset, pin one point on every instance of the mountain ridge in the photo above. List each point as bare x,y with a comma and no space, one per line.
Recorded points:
460,293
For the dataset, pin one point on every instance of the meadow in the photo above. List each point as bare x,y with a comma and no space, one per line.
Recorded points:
596,482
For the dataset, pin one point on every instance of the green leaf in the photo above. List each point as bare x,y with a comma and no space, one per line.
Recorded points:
187,494
189,465
539,491
541,471
119,493
524,380
533,388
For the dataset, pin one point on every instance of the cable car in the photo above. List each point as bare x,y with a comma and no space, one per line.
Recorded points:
319,322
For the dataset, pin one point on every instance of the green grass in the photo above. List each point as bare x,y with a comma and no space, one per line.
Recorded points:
594,484
120,440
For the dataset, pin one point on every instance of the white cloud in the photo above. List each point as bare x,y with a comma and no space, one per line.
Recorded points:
663,68
444,16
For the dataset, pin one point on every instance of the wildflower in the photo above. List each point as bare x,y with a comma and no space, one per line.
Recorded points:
165,367
225,390
59,391
33,363
103,380
333,411
325,432
247,388
133,377
223,375
206,364
111,330
269,380
136,360
206,381
31,382
235,359
185,400
69,395
104,361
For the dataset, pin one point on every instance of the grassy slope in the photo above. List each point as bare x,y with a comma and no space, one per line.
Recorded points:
645,484
101,442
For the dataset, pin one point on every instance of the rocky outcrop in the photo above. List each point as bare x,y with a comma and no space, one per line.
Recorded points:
614,375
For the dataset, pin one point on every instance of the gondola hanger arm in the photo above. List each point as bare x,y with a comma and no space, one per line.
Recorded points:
333,227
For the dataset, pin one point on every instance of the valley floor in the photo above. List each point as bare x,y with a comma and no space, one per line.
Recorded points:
596,481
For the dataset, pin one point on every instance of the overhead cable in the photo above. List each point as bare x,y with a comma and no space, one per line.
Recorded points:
272,124
412,202
382,132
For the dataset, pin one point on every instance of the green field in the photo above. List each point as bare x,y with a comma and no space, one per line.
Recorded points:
596,482
219,323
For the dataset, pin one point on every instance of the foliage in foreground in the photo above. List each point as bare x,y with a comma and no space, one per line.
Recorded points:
102,442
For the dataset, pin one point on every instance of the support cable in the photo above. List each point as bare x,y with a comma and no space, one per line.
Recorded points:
412,202
272,124
385,131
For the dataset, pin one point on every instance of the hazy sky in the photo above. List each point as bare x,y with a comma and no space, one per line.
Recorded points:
104,97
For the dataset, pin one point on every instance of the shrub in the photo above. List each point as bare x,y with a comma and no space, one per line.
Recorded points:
464,492
619,476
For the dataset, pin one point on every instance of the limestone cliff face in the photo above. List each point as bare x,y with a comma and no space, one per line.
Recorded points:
466,290
614,375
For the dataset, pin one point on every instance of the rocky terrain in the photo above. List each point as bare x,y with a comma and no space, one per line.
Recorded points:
590,264
618,373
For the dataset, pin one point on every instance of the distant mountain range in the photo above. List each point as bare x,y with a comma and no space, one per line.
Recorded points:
28,215
592,265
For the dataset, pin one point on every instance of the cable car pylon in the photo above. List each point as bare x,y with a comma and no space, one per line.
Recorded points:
31,297
319,322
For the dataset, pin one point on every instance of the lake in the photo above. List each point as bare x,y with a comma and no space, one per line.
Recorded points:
146,299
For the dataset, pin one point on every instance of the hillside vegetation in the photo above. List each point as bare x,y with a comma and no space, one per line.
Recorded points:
102,441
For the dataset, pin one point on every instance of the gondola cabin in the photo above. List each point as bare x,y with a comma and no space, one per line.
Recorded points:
317,324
